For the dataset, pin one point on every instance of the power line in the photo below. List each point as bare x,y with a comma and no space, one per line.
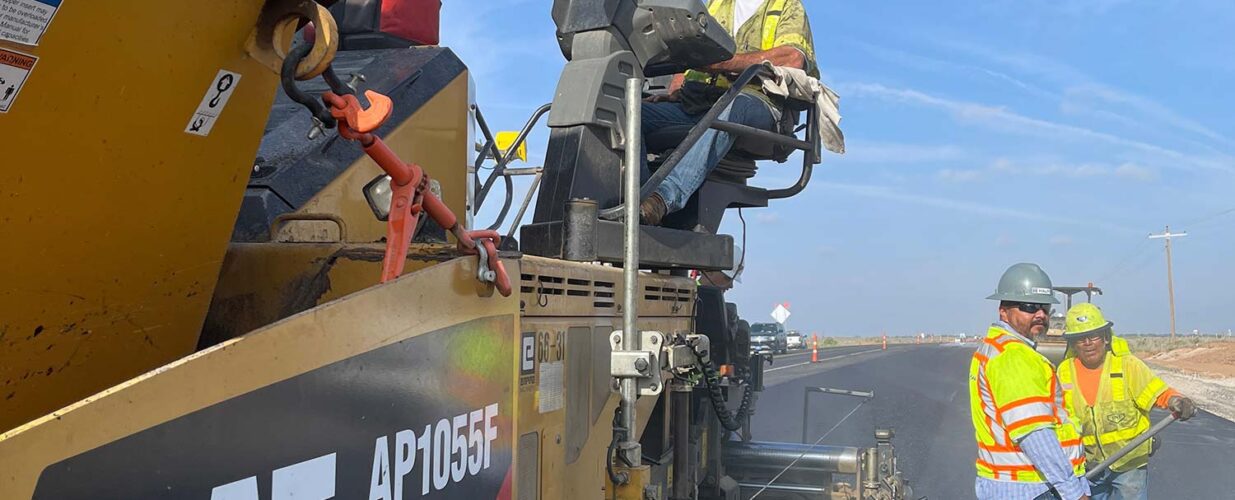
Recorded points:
1138,263
1114,270
1209,218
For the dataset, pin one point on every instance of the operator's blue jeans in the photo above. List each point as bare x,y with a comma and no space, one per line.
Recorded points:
1127,485
706,154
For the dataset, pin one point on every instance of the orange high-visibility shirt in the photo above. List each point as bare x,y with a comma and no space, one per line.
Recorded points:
1089,379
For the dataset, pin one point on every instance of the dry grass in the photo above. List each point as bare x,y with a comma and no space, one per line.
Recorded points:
1144,345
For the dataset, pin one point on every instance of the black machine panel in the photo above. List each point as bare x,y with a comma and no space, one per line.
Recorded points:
290,169
431,414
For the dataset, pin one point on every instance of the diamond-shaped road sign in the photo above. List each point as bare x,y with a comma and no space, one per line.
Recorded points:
780,314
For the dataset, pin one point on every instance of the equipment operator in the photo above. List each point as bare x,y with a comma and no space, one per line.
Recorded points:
776,31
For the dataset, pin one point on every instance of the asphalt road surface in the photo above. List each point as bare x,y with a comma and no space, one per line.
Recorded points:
920,392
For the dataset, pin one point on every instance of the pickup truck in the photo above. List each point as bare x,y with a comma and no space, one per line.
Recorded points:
768,338
795,340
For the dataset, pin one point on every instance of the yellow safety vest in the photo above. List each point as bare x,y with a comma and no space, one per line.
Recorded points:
763,31
1126,393
1012,392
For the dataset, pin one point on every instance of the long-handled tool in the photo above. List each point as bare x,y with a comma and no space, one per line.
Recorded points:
1106,464
1092,473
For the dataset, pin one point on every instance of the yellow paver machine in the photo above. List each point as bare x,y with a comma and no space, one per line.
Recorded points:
239,261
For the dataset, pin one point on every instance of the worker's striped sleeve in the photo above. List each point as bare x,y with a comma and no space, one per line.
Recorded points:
1046,453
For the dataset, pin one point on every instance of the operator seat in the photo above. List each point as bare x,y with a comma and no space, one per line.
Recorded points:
726,185
577,215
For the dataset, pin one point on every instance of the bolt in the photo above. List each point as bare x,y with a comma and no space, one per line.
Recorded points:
356,78
641,365
654,387
655,340
616,338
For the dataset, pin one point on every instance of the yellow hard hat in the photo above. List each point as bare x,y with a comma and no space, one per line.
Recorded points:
1084,320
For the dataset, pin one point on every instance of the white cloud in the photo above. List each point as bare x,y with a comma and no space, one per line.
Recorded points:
1007,121
894,152
1154,114
1085,7
1005,241
767,217
1084,94
1134,171
926,63
1060,240
887,193
955,175
1005,166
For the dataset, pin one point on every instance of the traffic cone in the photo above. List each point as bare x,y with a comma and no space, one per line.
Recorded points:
814,350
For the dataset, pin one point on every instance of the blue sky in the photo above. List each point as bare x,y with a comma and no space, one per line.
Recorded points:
979,134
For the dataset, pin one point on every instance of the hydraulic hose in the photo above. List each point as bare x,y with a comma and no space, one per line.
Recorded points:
731,421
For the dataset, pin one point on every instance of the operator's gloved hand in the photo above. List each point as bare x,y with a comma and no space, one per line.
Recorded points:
1182,407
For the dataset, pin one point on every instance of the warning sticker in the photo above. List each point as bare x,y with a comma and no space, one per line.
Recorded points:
217,94
25,21
15,67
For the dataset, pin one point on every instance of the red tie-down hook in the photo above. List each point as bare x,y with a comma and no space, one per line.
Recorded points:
409,193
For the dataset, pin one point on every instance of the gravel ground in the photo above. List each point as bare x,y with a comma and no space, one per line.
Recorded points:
1217,395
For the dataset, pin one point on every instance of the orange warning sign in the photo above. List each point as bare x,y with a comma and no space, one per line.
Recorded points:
17,59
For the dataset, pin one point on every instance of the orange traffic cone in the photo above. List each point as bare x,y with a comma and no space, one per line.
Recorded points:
814,351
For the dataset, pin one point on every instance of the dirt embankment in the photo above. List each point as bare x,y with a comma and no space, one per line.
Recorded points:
1215,360
1205,373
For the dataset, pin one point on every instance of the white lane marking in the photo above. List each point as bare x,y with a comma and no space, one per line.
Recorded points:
822,360
822,351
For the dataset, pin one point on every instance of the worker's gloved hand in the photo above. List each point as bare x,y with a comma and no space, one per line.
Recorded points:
670,97
1182,407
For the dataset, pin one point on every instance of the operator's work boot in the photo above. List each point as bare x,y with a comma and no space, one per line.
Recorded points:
652,210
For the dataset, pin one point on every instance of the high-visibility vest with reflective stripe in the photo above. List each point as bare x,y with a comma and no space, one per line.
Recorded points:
763,31
1126,393
1012,392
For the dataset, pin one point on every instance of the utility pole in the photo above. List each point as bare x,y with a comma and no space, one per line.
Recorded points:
1170,285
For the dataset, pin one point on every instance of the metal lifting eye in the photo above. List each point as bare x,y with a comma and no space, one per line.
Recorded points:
276,27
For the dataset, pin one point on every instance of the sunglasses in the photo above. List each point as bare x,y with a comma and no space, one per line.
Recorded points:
1028,308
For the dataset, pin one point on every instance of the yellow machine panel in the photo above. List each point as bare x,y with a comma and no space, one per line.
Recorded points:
360,376
115,219
434,137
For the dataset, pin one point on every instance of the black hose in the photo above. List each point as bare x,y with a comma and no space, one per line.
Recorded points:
619,433
731,421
